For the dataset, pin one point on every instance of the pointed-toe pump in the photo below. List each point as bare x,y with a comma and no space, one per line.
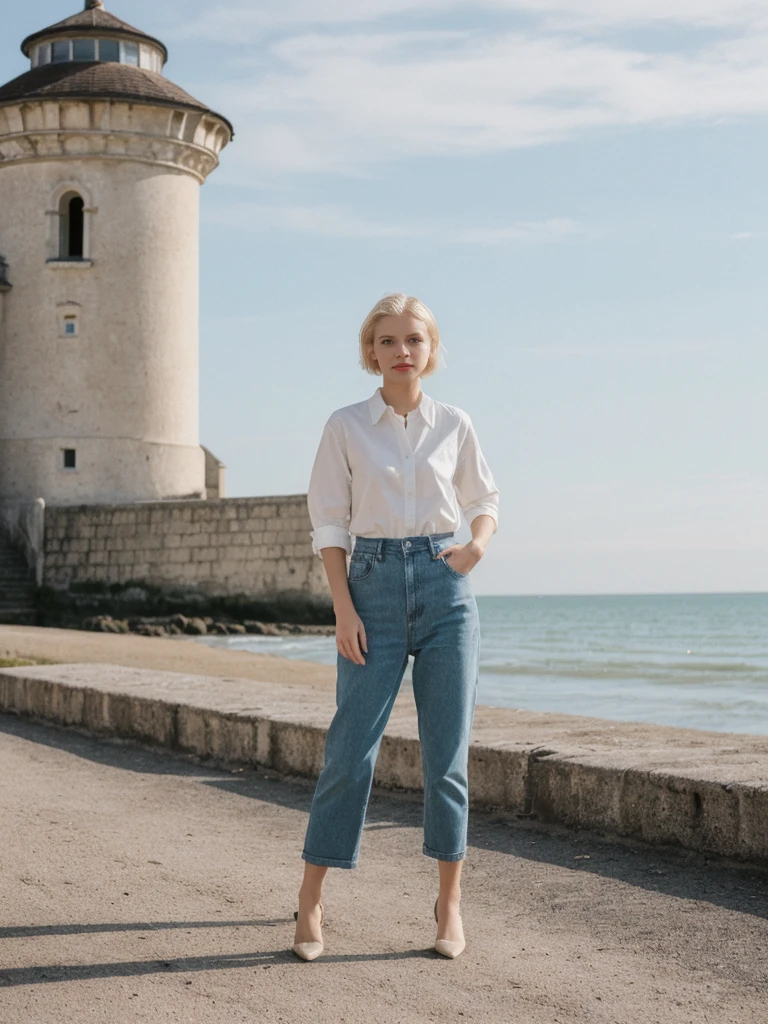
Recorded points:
308,950
446,947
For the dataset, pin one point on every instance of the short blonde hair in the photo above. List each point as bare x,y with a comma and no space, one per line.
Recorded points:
395,305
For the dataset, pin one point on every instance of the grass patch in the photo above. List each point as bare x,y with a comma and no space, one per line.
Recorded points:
23,662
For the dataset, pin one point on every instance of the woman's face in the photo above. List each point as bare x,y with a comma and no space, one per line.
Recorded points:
401,346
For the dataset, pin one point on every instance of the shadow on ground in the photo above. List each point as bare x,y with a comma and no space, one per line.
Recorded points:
675,872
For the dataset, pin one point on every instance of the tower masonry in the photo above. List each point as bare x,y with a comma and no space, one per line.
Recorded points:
101,162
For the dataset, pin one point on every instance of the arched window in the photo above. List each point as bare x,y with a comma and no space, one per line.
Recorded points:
71,226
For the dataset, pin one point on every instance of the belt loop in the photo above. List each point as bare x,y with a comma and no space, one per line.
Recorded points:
432,545
379,546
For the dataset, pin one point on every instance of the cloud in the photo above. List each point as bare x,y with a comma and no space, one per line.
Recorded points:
347,102
651,348
249,21
339,223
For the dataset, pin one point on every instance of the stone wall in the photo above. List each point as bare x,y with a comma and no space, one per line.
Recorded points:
251,556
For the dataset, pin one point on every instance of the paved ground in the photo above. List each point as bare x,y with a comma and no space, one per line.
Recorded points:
138,887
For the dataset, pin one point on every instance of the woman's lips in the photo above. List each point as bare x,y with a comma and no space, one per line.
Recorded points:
404,366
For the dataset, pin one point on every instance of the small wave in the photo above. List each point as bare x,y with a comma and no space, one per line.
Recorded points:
676,671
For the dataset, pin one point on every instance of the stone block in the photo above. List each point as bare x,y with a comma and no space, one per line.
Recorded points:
229,567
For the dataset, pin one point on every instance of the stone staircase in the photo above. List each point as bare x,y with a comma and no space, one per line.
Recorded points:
18,591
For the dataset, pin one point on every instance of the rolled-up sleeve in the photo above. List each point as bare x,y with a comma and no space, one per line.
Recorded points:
329,497
473,481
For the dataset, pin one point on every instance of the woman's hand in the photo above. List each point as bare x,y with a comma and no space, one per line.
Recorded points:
350,634
464,557
350,631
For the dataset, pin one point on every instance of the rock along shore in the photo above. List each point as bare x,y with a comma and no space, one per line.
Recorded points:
703,791
198,625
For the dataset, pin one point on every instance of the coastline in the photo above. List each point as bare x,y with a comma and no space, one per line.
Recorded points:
662,785
164,653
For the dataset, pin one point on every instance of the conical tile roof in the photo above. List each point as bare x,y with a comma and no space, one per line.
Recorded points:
91,21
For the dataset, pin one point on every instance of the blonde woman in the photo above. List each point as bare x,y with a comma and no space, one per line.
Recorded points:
393,472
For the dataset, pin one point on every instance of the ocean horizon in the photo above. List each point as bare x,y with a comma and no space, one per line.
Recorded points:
695,660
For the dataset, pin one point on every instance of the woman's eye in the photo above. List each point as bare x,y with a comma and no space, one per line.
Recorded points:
415,339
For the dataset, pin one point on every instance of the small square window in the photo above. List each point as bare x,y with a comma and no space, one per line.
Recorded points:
131,53
61,51
69,324
84,49
109,50
70,458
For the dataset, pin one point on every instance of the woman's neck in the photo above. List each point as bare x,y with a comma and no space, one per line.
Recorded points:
403,400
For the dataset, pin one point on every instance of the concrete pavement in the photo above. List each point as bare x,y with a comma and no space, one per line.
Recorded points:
705,791
137,886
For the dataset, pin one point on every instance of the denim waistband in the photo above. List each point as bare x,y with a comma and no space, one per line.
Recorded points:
380,545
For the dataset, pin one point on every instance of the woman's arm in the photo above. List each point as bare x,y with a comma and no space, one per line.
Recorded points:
483,528
478,498
350,631
329,501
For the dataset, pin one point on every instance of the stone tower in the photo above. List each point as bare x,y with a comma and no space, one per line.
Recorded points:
101,162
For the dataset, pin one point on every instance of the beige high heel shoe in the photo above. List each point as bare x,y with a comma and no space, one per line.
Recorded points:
446,947
308,950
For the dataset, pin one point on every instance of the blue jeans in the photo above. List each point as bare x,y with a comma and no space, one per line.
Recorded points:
410,603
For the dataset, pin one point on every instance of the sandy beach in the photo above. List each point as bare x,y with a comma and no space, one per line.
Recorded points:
178,654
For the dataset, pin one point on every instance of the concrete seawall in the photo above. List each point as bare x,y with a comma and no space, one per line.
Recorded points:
702,791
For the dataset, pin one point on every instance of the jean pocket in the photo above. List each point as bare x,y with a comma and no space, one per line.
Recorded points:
451,570
361,567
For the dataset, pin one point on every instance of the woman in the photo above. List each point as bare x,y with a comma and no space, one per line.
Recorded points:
393,472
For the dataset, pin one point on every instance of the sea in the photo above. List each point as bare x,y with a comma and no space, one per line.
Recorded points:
698,661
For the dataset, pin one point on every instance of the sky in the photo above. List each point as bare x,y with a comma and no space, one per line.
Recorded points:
576,188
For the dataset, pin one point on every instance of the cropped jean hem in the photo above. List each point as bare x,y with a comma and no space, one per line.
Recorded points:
328,862
428,852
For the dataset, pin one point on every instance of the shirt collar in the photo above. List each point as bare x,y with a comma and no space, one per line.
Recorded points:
377,407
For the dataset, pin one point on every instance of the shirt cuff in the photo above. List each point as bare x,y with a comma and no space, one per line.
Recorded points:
483,510
331,537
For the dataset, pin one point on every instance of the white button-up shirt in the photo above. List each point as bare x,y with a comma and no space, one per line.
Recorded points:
377,475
